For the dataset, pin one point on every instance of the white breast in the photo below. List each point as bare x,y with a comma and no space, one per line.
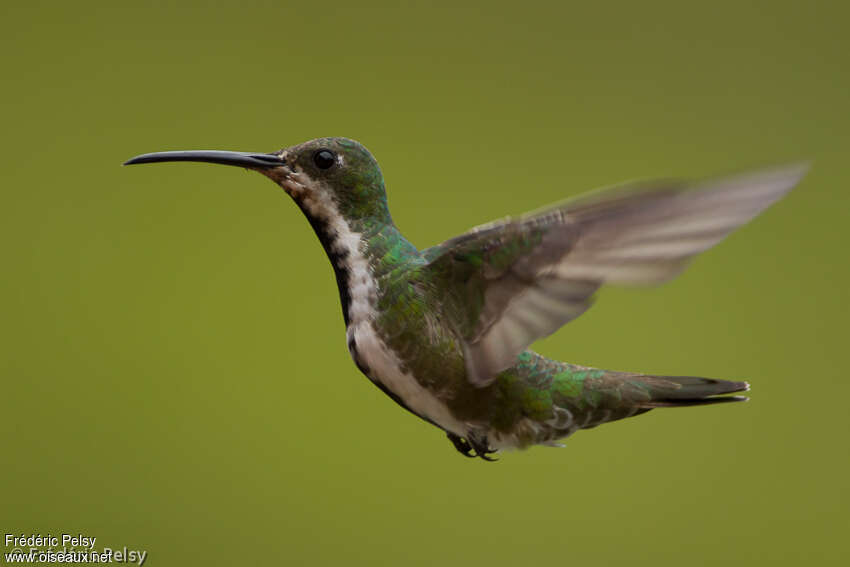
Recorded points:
382,363
385,367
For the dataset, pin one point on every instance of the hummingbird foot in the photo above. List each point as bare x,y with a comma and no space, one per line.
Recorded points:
466,447
461,445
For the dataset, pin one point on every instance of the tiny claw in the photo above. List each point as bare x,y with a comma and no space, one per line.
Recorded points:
482,448
466,447
461,445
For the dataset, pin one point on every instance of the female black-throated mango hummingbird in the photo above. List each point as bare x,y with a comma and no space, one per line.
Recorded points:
444,331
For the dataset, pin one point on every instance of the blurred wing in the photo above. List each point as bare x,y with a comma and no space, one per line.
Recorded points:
506,284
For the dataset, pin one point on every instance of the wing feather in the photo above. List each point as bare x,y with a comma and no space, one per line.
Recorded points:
522,279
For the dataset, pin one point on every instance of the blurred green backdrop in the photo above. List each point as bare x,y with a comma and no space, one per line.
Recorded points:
174,371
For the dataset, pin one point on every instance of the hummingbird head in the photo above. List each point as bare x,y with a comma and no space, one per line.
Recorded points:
333,172
327,177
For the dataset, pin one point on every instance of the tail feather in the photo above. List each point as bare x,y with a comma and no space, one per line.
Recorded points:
684,391
608,395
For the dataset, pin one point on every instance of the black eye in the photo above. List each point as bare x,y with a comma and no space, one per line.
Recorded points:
324,159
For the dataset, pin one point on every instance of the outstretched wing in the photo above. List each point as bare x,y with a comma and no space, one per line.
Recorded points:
506,284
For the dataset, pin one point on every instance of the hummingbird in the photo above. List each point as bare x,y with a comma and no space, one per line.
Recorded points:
445,331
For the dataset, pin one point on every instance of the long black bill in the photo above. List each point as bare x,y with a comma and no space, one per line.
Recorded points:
241,159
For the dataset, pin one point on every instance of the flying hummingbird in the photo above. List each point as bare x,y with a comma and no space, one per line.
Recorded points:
445,331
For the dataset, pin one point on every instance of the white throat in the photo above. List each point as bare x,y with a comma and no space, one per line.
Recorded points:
345,244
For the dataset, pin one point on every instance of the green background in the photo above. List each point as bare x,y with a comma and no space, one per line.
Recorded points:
174,370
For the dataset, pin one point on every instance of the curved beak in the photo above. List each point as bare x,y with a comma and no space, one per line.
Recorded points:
242,159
